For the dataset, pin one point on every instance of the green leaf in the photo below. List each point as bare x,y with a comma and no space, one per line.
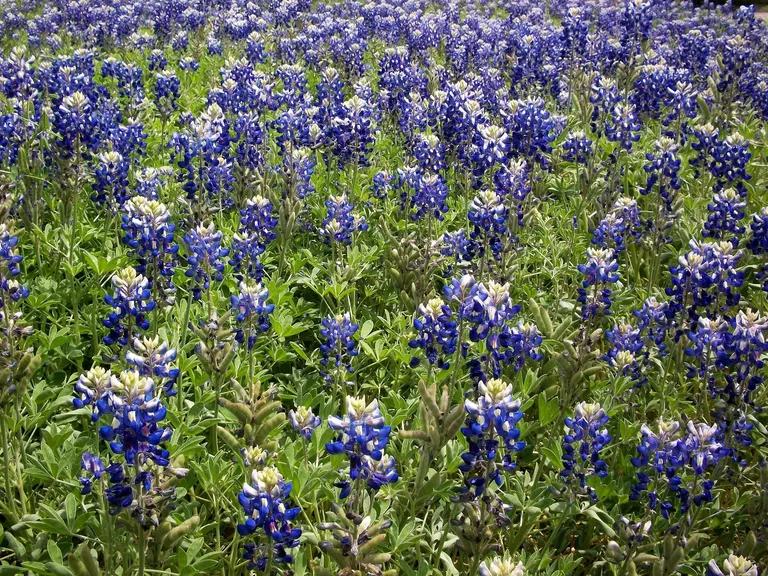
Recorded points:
70,507
54,553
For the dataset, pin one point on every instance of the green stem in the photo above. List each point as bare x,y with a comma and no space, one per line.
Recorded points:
270,559
106,523
215,438
20,460
180,347
142,550
7,464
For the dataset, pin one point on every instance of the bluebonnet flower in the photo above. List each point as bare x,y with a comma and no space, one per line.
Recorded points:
10,261
130,78
532,129
488,215
502,567
157,60
726,211
458,246
213,46
299,165
682,101
339,345
733,566
93,468
622,223
251,312
150,233
623,125
256,231
672,472
294,79
352,131
705,280
492,435
488,312
746,348
149,181
180,41
626,352
267,506
430,194
429,153
654,86
76,124
382,184
730,158
513,183
340,222
436,334
11,138
706,139
303,421
663,168
758,242
91,389
362,436
578,147
604,96
189,64
249,135
595,293
136,412
131,302
199,153
150,356
585,439
136,434
379,472
254,48
111,179
205,257
651,462
167,91
492,147
254,456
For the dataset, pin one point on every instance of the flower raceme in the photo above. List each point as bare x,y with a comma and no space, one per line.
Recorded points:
256,231
131,303
437,333
733,566
492,435
600,271
502,567
488,312
303,421
340,222
672,470
251,312
204,257
134,433
362,436
268,508
584,440
339,346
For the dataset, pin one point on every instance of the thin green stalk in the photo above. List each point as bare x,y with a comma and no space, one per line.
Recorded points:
142,550
106,523
7,464
180,347
233,557
270,560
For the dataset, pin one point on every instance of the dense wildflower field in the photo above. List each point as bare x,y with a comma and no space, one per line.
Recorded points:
415,287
